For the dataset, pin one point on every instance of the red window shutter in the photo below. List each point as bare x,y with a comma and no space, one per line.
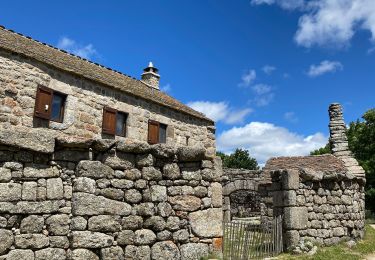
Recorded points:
153,132
43,103
109,121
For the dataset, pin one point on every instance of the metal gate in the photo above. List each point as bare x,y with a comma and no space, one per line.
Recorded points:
243,241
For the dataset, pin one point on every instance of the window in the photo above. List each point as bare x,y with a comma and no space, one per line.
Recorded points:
49,104
114,122
157,132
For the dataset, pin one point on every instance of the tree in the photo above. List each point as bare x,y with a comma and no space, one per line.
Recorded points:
239,159
361,139
323,150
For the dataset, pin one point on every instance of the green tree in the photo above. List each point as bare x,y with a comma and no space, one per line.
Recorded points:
323,150
239,159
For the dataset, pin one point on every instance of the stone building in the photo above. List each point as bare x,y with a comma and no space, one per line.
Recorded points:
97,165
44,89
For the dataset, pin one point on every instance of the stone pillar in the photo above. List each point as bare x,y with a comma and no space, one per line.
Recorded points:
339,141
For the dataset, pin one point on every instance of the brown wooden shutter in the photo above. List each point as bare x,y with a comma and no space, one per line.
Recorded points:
43,103
109,121
153,132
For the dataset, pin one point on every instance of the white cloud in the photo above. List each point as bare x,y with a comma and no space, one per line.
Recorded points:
268,69
263,95
329,22
265,140
248,78
291,117
220,111
324,67
166,88
84,51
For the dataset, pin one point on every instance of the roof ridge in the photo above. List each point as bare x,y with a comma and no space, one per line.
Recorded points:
164,99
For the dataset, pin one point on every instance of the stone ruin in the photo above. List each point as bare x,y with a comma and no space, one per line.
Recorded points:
321,198
102,199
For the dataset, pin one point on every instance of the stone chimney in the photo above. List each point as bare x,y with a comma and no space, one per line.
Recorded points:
150,76
339,141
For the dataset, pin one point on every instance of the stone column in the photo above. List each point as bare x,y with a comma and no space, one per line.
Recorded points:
339,141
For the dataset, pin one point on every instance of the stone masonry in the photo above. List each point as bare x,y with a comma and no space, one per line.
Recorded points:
103,199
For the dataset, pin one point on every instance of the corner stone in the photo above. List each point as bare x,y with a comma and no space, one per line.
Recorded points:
207,223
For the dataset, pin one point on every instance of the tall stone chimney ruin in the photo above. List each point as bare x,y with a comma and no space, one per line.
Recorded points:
339,141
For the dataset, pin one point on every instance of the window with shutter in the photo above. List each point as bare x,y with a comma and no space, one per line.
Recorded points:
162,133
43,103
121,123
109,121
153,132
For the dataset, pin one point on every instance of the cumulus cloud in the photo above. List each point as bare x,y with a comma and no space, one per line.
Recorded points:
324,67
266,140
268,69
329,22
247,78
69,45
220,111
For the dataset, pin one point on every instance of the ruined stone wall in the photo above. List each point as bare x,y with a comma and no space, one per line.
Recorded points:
109,200
324,207
253,184
20,76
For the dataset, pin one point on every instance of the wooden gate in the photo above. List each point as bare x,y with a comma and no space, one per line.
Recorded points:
243,241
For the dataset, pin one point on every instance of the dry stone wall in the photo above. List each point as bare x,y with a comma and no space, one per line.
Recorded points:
109,200
323,207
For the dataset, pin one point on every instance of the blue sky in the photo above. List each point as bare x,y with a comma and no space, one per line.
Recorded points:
265,70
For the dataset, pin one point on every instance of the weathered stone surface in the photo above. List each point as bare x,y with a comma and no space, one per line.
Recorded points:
132,222
29,190
94,169
112,253
5,175
156,223
144,160
58,224
59,242
104,223
19,254
134,147
119,160
72,155
181,235
165,250
193,251
111,193
191,154
145,209
88,239
215,191
164,235
31,241
40,171
30,207
192,175
102,145
163,150
165,209
83,254
295,217
87,204
84,184
50,254
311,175
207,223
151,173
125,237
144,237
55,189
158,193
78,223
133,196
185,203
173,223
132,174
10,191
171,171
6,240
137,253
122,183
40,140
32,224
290,179
3,222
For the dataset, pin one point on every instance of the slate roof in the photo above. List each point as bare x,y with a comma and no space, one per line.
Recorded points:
60,59
323,163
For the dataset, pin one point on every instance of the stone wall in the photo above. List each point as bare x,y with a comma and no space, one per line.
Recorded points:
102,199
323,207
246,194
20,76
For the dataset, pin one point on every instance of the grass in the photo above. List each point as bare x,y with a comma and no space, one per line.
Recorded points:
341,251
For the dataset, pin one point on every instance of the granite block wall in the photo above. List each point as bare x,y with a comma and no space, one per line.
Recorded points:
101,199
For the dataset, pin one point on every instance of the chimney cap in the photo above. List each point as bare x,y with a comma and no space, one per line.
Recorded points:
150,68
